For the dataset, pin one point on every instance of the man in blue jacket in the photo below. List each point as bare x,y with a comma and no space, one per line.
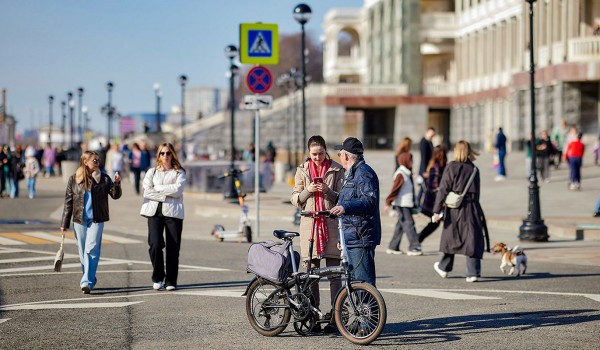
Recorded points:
358,202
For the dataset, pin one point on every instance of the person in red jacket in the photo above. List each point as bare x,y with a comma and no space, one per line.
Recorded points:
574,156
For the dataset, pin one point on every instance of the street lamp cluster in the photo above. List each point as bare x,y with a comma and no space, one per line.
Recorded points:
63,104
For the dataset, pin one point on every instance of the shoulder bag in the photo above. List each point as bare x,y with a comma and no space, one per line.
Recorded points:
453,199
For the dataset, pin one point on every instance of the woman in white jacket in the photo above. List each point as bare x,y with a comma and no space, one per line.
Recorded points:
163,206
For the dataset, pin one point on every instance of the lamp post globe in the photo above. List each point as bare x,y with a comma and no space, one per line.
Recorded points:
50,100
182,82
302,14
231,53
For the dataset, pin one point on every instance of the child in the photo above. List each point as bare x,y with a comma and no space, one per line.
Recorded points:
32,168
402,199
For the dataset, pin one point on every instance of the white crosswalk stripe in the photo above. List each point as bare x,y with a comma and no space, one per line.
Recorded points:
8,241
437,294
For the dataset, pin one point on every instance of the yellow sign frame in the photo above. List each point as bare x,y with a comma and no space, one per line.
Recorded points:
252,38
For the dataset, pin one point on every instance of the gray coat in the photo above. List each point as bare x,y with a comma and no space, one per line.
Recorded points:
464,226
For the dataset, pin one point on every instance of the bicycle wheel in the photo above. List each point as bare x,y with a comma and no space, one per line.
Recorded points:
364,325
267,308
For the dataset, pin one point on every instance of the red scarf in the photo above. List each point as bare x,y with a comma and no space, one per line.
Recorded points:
320,224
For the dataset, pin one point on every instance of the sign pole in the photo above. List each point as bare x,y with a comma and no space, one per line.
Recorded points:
257,170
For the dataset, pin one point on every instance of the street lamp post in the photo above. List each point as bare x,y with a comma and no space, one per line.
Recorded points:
50,100
71,108
302,14
158,93
84,111
182,82
231,52
63,105
533,227
79,107
109,88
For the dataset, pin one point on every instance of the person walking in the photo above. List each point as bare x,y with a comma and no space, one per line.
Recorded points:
500,146
574,156
403,147
15,173
426,149
402,199
31,169
559,137
49,159
358,203
135,166
543,152
114,160
464,227
163,207
317,183
433,176
86,203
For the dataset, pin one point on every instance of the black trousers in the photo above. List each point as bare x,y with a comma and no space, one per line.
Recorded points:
173,228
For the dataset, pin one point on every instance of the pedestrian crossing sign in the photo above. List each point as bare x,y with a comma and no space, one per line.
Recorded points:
259,43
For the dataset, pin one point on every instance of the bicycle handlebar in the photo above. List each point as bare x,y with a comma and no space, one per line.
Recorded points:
234,173
315,214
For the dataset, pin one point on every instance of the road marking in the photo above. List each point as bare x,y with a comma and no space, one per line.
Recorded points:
39,258
15,238
117,239
4,320
215,293
430,293
51,267
48,236
9,250
69,306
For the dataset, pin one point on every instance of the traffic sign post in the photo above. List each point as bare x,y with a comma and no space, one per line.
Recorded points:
259,43
256,102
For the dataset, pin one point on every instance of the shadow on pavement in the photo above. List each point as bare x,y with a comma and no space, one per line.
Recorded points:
439,330
116,290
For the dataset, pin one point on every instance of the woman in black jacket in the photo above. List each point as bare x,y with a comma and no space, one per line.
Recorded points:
464,227
86,202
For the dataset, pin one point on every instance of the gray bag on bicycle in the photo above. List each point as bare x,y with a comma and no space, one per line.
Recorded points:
270,260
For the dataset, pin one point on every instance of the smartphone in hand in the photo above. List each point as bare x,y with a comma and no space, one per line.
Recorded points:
318,180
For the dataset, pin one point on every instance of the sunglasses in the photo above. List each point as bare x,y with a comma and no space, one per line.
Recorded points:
165,153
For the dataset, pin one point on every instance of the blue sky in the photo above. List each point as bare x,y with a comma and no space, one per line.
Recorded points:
50,47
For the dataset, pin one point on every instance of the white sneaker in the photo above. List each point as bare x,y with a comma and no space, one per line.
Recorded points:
414,252
158,285
472,279
392,251
442,273
171,287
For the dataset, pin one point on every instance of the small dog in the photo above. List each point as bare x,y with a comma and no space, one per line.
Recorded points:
511,257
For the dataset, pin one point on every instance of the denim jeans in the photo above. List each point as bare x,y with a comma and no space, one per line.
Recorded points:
89,242
14,187
362,264
405,223
31,186
501,165
575,165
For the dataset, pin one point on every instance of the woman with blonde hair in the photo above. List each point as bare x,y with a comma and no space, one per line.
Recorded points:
465,231
163,206
86,202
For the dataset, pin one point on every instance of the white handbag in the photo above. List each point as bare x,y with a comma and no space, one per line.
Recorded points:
453,199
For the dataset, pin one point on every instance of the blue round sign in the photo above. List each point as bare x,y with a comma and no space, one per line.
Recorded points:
259,80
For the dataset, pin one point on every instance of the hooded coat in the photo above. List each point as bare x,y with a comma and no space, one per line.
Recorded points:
305,200
464,226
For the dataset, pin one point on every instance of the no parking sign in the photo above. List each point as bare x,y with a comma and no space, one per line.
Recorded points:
259,80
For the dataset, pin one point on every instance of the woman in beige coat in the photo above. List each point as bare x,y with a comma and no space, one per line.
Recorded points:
317,183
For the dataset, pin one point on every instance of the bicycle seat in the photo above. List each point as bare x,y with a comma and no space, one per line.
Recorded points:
281,234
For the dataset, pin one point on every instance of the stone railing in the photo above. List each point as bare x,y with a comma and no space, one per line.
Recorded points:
584,49
440,88
364,90
438,25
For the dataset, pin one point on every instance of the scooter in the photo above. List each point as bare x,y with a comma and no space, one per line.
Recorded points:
245,227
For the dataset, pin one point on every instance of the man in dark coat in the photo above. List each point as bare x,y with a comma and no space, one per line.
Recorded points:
464,227
426,148
358,202
500,145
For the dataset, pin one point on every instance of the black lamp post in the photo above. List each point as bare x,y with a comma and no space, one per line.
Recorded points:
109,109
302,14
79,123
157,93
533,227
182,82
231,53
63,105
71,104
50,100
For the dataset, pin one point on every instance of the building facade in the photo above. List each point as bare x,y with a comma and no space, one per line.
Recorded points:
462,66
